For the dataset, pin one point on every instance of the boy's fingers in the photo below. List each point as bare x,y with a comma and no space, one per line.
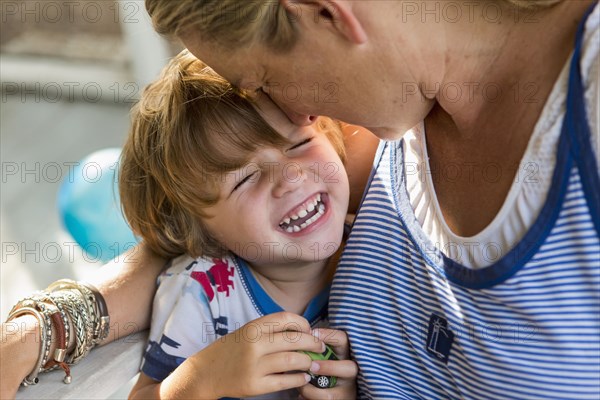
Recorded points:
280,322
338,340
340,368
292,341
278,382
341,391
285,362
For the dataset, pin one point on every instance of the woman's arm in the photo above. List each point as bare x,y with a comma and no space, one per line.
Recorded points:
19,349
128,284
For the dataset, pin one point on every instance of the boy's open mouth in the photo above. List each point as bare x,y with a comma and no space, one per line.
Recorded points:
303,216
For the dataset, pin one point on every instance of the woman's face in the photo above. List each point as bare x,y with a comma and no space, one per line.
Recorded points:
317,78
287,205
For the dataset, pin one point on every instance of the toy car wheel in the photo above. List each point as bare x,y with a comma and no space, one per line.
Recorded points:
323,382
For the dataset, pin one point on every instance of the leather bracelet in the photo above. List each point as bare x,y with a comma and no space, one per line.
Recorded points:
48,311
103,328
61,349
63,308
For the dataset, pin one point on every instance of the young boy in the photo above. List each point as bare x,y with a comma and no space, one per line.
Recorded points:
257,207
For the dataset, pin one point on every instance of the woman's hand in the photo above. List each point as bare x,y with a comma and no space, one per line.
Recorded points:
260,357
344,369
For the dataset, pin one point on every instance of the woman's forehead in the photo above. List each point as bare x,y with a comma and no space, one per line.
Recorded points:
274,116
241,67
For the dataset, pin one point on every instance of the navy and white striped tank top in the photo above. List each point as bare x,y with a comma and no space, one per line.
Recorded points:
526,327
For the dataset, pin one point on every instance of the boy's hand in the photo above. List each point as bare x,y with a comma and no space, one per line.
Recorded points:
344,369
252,360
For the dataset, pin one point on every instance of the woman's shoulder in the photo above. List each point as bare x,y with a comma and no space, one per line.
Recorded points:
591,42
590,72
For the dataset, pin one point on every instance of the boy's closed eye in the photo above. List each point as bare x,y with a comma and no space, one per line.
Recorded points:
243,181
303,142
250,176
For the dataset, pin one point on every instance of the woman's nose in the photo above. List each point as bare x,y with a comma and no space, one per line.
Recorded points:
297,118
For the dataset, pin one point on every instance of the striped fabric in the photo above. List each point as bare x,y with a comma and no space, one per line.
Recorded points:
526,327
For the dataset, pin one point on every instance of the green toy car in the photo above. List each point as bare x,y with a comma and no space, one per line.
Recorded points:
322,381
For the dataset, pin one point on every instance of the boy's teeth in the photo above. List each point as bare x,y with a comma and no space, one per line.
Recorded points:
289,223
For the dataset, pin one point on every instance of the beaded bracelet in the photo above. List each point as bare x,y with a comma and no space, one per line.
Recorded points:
63,326
64,305
45,331
61,350
82,326
60,321
95,303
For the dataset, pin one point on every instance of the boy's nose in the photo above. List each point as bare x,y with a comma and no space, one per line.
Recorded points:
291,176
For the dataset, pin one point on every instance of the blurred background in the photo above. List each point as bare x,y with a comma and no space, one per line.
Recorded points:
69,72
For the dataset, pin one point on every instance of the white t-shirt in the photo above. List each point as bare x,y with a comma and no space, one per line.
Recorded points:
200,300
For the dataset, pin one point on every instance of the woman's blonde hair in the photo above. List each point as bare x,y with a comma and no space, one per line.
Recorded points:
232,23
237,23
190,127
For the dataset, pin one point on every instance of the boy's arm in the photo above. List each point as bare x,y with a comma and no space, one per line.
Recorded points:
235,365
145,388
176,386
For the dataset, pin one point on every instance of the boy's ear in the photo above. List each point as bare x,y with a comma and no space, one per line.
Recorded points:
338,13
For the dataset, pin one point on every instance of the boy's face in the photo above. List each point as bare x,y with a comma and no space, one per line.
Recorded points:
287,205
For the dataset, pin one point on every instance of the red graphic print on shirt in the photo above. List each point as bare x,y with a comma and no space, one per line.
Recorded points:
219,275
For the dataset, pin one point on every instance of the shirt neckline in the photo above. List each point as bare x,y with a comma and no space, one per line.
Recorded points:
265,305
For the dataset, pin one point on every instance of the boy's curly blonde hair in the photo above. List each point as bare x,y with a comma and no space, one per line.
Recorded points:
190,127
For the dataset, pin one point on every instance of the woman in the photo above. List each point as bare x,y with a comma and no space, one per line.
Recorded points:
450,283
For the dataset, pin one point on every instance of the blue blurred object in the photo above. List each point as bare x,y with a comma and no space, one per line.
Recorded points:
89,206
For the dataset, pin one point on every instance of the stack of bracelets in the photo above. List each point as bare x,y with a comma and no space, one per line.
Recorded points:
65,304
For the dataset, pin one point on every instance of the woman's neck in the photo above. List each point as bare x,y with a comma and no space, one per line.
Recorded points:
496,68
511,79
293,286
490,62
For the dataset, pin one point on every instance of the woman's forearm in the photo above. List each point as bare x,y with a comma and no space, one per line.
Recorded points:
20,347
128,284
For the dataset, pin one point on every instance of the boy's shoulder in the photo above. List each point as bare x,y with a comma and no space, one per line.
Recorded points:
187,265
185,273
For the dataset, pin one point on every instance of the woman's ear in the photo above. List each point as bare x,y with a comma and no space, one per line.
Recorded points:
338,13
